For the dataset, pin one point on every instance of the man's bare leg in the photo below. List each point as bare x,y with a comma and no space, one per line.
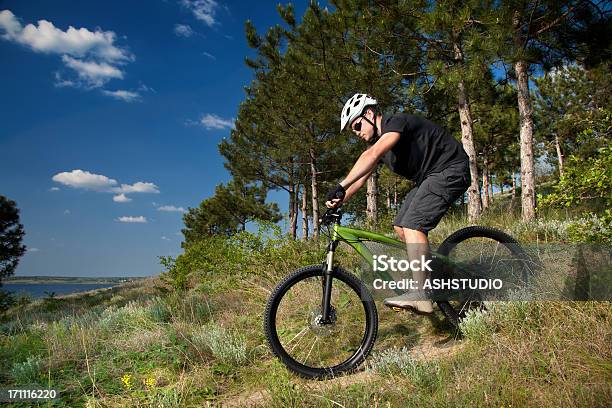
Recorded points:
417,246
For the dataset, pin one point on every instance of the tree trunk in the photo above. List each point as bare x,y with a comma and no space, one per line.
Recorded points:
395,193
296,209
559,155
491,189
467,139
485,184
513,192
526,126
304,214
315,194
292,214
371,198
388,198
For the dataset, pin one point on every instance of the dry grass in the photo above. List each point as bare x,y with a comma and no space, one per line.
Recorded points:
518,353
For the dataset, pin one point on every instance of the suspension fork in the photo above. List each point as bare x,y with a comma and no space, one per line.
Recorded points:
327,279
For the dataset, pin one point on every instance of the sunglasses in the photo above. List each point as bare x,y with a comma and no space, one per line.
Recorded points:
357,126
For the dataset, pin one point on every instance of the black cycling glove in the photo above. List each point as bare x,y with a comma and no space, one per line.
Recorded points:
336,192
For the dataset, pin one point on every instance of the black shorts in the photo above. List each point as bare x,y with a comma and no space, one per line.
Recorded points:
427,203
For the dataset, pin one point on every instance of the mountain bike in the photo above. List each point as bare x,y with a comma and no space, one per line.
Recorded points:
321,320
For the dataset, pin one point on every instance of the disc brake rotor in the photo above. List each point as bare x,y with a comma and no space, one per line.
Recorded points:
318,327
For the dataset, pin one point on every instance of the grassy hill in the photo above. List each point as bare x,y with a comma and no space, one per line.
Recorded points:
143,343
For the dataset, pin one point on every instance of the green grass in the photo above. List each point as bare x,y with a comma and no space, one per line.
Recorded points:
143,344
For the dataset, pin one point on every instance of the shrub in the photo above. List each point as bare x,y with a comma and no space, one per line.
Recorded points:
546,229
592,228
129,316
583,179
223,344
476,326
394,362
262,253
27,372
159,310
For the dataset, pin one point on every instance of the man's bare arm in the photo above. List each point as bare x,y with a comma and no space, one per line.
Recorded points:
368,160
357,185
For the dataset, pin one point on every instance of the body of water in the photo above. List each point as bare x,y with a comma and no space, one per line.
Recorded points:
36,290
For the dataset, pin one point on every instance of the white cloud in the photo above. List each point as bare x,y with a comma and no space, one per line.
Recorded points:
212,121
46,38
92,54
123,95
212,57
121,198
97,182
165,238
85,180
54,189
66,212
171,208
138,187
9,24
93,74
183,30
139,220
203,10
33,249
60,82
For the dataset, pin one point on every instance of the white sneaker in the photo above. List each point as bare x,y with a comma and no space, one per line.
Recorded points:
414,301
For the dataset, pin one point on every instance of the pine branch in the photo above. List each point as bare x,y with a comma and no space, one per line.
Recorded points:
554,22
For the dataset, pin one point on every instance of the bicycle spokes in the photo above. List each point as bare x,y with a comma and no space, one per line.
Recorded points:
303,333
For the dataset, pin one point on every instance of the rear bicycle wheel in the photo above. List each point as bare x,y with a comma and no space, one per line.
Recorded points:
481,252
296,335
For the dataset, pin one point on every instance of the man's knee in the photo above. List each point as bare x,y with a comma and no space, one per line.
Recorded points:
400,232
414,236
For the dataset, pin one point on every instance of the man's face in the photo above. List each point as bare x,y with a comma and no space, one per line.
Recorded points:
362,128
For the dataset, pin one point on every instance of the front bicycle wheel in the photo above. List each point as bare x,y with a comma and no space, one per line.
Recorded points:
482,252
308,347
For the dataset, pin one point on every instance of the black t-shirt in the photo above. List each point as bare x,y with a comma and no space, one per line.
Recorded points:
423,147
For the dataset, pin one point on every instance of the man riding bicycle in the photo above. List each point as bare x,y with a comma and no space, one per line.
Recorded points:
419,150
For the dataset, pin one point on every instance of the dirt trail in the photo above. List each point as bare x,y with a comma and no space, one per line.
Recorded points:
429,346
261,397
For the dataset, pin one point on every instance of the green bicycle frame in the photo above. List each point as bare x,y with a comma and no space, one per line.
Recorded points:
353,237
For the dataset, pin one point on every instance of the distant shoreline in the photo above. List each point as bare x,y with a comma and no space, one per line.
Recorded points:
40,280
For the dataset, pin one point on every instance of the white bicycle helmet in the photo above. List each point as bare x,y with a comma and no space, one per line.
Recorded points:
353,108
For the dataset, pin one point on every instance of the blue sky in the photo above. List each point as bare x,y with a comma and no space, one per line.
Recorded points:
110,117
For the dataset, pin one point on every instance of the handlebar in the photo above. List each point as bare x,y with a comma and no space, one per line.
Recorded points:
331,216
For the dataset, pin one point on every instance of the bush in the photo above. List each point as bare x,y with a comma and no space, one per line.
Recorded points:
127,317
475,326
159,310
592,228
244,254
584,179
394,362
27,372
223,344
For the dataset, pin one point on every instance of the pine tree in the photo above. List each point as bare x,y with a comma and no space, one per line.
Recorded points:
455,35
565,99
532,33
11,237
228,211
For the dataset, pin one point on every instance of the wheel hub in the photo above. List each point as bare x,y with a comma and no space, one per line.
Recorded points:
321,328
